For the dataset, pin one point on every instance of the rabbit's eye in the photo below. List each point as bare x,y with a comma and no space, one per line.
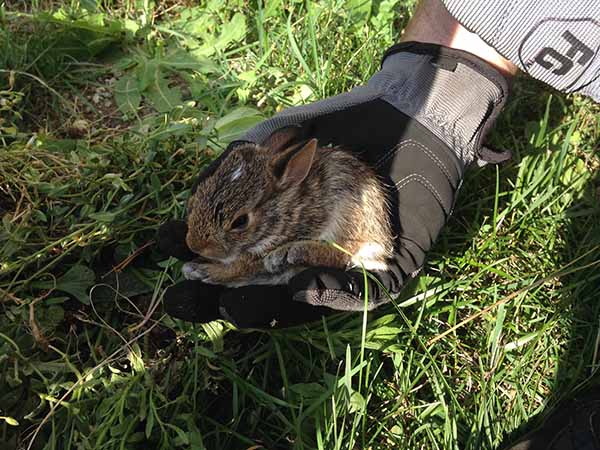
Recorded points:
240,222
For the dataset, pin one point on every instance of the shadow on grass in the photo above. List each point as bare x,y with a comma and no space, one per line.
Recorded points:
578,310
470,246
569,303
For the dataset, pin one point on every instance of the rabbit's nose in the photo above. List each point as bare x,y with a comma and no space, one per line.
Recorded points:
200,246
207,250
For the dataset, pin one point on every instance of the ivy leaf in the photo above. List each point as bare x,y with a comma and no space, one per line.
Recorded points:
163,97
127,95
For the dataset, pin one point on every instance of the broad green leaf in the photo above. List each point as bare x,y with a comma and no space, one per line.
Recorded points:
106,217
127,95
215,5
194,21
51,317
271,8
182,438
135,438
127,283
131,26
176,129
11,130
147,73
359,11
163,97
357,402
76,281
117,181
90,5
308,391
234,124
249,77
182,59
232,31
215,332
197,84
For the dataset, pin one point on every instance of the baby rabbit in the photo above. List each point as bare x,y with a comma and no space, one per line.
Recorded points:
263,213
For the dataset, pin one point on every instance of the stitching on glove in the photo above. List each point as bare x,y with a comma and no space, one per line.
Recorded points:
390,153
438,162
426,184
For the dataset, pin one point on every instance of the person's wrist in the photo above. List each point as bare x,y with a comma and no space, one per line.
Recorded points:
433,24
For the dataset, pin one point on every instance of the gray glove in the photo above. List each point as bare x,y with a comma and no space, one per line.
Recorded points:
454,94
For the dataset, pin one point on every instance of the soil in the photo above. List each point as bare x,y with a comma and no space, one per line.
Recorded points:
6,204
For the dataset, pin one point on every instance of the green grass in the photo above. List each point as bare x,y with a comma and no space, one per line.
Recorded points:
109,109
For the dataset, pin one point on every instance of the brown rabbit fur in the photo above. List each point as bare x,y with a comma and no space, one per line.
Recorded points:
268,211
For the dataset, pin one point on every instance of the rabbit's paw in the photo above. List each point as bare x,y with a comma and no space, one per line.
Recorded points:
208,273
276,261
280,259
297,255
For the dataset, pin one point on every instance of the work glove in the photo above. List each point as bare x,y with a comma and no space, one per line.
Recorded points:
419,122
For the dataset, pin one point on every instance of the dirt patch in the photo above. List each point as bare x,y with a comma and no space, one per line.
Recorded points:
90,113
96,111
6,204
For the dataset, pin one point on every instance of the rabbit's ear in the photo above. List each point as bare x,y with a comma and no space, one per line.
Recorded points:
282,138
293,165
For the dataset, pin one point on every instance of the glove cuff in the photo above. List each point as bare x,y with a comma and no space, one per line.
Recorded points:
454,94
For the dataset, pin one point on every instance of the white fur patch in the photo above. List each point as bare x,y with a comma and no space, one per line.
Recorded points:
371,256
237,173
371,265
370,250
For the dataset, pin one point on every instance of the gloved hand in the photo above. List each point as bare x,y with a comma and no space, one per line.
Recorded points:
419,122
246,307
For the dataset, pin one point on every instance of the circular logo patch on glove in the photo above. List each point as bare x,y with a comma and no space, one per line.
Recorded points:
562,52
